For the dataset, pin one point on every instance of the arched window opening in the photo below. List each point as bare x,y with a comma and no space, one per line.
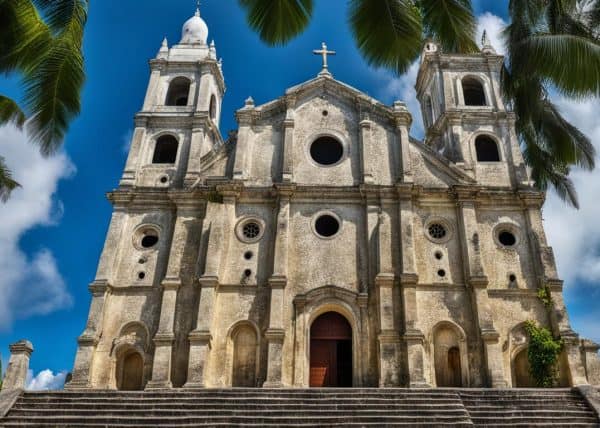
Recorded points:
179,91
244,357
331,351
428,111
487,149
213,107
521,376
131,372
473,92
165,150
447,358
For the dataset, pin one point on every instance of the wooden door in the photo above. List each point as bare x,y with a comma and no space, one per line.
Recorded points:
244,357
133,368
330,351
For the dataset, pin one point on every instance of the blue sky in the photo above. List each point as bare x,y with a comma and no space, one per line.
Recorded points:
55,227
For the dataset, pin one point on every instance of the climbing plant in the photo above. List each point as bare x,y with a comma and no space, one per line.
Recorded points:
545,296
543,353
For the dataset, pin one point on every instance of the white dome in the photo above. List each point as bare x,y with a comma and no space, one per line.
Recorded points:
195,31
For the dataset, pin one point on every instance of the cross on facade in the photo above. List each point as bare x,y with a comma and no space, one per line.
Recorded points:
324,53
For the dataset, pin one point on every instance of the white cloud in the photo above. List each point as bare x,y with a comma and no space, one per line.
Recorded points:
127,137
29,284
493,25
403,88
574,234
45,380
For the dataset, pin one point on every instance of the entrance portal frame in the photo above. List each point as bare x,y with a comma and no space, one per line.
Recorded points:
317,302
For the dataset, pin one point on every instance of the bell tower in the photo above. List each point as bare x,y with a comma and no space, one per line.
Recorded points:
465,117
179,120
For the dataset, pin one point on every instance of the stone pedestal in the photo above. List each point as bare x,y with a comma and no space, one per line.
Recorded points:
275,339
493,355
18,365
200,342
389,359
414,340
573,352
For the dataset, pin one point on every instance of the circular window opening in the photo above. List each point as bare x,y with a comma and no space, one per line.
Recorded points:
142,261
327,225
507,239
439,255
437,231
248,255
164,179
141,275
325,113
326,151
441,273
247,273
512,277
149,240
251,230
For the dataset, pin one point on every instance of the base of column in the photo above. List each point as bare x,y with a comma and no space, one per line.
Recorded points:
74,385
158,385
419,384
194,385
272,385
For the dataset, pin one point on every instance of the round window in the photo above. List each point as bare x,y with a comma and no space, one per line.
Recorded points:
327,225
145,238
326,151
506,238
250,230
437,231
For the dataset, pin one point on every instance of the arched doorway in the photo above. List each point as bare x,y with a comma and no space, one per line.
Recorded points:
447,357
331,351
244,357
132,372
521,376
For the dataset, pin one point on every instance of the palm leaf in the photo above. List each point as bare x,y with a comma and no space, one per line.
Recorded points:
52,89
24,37
7,184
276,21
10,112
571,63
451,23
388,32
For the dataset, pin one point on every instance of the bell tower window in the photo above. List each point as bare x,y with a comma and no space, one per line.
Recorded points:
179,91
473,92
165,150
486,149
213,108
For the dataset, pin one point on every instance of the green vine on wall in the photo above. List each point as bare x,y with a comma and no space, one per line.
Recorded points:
543,353
545,296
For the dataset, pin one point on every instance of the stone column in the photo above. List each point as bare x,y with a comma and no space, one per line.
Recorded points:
365,143
200,338
403,121
478,282
157,66
245,118
288,140
413,337
18,365
135,156
389,339
198,148
275,334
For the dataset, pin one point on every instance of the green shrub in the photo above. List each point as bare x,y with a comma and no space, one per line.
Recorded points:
545,296
543,353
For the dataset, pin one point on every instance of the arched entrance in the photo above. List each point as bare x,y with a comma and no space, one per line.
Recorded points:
331,351
244,357
521,376
132,372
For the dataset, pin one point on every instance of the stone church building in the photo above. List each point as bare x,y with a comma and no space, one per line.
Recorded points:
320,244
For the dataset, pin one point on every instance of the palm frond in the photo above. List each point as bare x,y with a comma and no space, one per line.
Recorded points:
52,89
276,21
571,63
388,32
24,37
451,23
61,14
10,112
7,184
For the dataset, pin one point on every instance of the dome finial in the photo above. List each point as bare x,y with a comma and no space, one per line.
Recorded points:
195,30
198,8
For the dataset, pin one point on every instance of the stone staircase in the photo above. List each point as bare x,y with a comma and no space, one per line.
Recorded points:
302,408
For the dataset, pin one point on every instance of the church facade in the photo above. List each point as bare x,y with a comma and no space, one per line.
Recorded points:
320,244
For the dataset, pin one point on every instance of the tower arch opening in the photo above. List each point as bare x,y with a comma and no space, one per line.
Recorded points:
165,150
486,149
473,92
179,92
331,351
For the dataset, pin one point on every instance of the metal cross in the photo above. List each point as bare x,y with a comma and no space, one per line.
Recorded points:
324,53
